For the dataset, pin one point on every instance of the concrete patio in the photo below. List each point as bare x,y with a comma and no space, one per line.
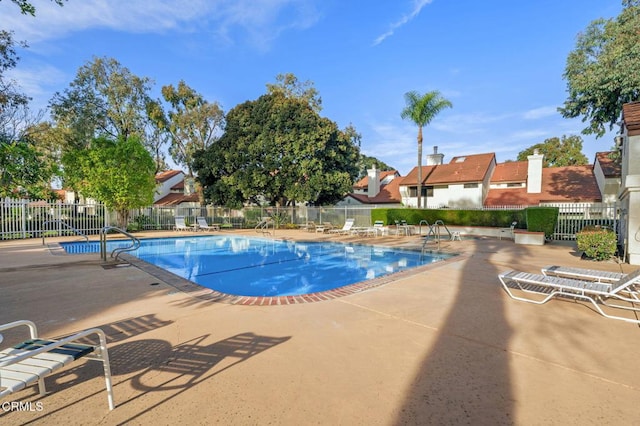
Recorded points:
444,345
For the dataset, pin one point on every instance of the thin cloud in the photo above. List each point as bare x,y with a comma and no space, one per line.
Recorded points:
256,21
542,112
417,7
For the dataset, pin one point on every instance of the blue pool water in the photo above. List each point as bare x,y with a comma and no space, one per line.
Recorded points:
265,267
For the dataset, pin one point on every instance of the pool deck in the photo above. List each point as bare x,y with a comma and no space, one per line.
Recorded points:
442,345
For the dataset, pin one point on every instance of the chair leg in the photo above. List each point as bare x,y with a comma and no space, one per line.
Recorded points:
104,357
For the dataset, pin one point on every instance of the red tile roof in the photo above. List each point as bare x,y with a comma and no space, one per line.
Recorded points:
559,184
175,198
412,177
468,168
166,175
631,118
610,167
512,171
364,182
389,194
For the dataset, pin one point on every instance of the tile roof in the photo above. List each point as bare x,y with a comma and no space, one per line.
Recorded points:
631,118
511,171
389,194
412,177
364,182
610,167
559,184
166,175
468,168
175,198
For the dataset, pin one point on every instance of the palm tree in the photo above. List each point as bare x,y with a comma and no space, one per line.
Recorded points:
421,109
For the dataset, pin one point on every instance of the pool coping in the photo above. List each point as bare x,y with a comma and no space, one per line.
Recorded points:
206,294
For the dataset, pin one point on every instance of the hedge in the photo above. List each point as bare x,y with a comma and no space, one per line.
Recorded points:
453,217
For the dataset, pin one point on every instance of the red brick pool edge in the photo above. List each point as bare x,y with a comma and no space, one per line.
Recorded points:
206,294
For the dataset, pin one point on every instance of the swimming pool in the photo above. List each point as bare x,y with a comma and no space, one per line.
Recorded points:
263,267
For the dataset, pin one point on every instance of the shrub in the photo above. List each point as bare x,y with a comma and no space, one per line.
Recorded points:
453,217
542,219
597,243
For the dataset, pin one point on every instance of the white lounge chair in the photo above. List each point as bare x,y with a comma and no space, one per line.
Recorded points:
508,231
31,361
597,293
202,224
582,274
181,224
378,228
346,228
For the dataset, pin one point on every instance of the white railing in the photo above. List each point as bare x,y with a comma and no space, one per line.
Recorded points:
38,218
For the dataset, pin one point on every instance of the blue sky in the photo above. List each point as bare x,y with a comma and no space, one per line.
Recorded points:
499,62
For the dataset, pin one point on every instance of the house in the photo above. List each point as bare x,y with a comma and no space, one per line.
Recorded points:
527,183
477,180
377,188
629,196
463,182
607,169
175,189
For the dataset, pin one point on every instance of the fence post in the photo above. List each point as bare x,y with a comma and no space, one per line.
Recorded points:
23,221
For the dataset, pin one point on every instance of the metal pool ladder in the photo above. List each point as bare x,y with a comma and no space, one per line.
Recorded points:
434,230
135,243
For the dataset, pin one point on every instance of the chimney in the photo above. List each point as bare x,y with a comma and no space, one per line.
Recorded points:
434,159
534,173
374,181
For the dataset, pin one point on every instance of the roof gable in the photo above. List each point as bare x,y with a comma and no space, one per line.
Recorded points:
610,167
166,175
469,168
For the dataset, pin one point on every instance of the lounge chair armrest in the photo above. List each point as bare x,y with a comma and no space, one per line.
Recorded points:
47,348
32,327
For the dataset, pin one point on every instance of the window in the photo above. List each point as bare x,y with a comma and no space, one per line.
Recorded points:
514,185
413,191
471,185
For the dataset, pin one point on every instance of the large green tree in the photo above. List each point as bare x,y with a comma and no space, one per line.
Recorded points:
602,72
119,173
565,151
105,99
192,123
421,110
289,86
278,149
24,170
10,95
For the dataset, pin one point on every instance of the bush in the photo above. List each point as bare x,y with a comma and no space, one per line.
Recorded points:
542,219
597,243
453,217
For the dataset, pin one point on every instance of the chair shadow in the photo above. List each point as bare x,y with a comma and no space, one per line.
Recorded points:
175,368
178,368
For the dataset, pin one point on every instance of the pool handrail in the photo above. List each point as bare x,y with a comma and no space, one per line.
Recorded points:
61,222
135,243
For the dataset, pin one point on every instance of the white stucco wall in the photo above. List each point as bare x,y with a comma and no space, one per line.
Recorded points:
164,188
630,197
